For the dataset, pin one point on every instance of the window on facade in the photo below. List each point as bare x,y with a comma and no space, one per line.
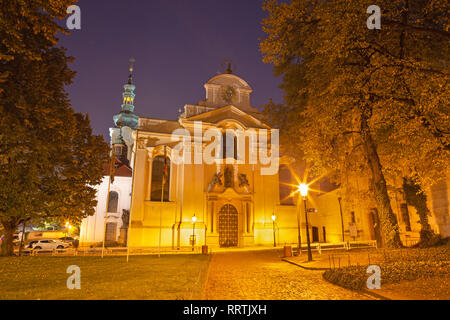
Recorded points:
352,215
157,179
247,210
113,202
405,216
229,146
286,181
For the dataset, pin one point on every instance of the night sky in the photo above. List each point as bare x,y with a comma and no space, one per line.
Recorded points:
178,45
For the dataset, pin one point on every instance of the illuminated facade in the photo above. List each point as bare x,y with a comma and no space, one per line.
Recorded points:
232,200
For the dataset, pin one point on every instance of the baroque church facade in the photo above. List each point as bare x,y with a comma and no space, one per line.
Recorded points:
157,200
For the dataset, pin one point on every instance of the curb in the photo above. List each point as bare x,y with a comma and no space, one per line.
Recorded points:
203,295
202,272
370,293
301,266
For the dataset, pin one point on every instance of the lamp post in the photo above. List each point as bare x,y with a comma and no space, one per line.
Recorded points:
303,189
194,219
67,229
342,219
298,227
274,239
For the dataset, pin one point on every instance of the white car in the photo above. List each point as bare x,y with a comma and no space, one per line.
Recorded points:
49,244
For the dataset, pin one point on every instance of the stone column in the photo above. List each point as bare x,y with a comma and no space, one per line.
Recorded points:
150,165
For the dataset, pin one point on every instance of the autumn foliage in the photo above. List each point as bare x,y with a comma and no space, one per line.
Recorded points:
375,99
49,158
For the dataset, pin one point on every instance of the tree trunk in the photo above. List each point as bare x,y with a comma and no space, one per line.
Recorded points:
7,243
388,220
416,198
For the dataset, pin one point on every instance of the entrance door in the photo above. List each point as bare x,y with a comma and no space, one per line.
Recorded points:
111,229
228,226
315,234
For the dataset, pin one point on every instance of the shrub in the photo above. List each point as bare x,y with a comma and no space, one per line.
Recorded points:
398,265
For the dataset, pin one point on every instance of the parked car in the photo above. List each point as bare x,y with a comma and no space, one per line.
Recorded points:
69,240
49,244
31,243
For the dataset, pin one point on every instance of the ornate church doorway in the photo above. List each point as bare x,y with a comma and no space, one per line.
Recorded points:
228,226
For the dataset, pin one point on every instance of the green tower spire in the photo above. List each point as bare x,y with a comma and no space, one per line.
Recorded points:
127,117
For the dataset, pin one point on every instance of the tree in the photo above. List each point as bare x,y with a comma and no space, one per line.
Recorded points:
49,159
358,91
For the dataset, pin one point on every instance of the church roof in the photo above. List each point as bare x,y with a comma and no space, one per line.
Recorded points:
230,112
229,79
159,126
121,169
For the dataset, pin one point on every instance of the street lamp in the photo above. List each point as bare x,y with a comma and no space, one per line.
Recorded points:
303,189
298,228
68,227
194,219
342,219
274,239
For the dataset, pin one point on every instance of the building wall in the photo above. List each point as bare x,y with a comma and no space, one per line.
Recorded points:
438,202
93,227
189,196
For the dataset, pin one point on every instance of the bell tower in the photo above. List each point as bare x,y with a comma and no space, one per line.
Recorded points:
125,122
127,117
120,148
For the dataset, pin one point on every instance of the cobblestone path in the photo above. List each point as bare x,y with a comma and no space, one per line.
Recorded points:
261,275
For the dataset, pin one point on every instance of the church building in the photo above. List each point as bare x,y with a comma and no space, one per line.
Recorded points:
168,192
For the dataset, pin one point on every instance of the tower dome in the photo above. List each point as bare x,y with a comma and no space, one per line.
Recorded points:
127,117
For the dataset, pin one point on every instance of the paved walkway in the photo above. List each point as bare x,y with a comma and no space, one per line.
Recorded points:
261,275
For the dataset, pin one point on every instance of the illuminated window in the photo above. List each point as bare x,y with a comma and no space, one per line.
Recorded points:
113,202
405,216
229,146
157,179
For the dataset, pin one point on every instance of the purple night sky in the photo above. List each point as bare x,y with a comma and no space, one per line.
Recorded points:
178,45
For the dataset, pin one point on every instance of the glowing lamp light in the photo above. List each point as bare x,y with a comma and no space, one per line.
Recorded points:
194,219
273,217
303,189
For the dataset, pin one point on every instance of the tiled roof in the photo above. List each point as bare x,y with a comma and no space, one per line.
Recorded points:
122,170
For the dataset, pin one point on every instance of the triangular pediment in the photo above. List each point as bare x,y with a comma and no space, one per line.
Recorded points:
230,113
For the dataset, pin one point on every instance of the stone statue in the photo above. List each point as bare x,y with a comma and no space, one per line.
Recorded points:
125,218
229,182
243,182
217,179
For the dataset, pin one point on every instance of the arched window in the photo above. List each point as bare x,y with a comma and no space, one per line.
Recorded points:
229,146
285,182
158,172
113,202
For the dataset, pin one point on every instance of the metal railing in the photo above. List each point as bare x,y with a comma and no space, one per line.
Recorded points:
83,251
347,245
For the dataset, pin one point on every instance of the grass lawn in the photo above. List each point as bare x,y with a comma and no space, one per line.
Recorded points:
144,277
